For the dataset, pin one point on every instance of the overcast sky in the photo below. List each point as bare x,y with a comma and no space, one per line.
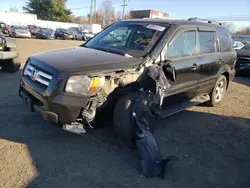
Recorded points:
175,8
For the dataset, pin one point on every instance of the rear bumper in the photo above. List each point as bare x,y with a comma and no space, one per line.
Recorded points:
23,35
8,55
69,37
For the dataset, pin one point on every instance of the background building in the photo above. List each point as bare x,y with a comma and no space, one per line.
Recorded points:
148,14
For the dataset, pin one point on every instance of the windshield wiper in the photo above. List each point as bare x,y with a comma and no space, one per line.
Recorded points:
113,51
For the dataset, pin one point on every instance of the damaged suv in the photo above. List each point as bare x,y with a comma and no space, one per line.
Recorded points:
184,63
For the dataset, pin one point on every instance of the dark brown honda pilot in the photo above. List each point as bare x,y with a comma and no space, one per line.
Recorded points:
74,87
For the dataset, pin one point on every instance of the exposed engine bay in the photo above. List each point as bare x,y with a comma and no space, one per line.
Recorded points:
150,80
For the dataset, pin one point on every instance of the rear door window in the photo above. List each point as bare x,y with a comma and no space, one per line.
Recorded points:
207,42
184,45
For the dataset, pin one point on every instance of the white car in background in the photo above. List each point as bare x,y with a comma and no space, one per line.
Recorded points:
84,35
20,31
237,45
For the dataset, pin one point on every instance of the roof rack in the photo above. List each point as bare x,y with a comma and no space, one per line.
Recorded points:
204,20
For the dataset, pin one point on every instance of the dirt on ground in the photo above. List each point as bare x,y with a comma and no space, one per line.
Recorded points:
212,144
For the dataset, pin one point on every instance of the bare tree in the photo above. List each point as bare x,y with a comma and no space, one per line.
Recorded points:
119,15
107,12
243,31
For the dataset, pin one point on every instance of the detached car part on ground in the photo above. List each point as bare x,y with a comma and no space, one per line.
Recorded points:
9,61
73,88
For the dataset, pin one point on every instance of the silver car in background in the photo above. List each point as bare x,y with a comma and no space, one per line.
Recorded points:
20,31
84,35
87,35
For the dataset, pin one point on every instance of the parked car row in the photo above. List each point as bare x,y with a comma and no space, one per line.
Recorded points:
29,31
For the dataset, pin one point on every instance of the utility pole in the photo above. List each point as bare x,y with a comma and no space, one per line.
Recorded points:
124,5
91,12
95,11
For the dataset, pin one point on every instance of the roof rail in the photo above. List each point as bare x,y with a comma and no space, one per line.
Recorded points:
204,20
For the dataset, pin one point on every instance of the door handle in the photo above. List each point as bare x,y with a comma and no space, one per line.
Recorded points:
194,66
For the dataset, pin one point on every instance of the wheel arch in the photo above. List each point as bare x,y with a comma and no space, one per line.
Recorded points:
225,71
226,74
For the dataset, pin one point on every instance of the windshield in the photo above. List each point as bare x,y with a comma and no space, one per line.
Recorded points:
246,47
19,27
32,26
64,30
46,30
135,39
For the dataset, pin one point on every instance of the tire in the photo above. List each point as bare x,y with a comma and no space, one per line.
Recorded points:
123,126
10,65
218,92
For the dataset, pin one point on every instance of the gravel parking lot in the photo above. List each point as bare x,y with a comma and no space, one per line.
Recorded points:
212,144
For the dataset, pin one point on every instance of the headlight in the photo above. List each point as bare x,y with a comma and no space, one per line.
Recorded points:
2,41
84,85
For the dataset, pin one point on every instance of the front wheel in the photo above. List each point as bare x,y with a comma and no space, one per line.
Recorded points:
218,92
123,126
10,65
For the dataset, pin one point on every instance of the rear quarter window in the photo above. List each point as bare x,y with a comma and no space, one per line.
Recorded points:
226,42
207,42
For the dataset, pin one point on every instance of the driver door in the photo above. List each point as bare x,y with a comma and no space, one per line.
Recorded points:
181,53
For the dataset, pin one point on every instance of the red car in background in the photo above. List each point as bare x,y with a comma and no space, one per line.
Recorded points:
32,29
4,28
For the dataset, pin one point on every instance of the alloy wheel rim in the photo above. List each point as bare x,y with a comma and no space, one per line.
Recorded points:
219,91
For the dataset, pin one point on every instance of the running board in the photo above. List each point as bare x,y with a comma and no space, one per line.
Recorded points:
170,110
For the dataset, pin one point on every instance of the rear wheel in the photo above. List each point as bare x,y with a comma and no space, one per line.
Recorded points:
218,92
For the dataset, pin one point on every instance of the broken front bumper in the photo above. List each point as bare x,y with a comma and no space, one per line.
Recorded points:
57,108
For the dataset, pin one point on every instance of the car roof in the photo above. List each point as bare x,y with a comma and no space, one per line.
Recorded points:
174,22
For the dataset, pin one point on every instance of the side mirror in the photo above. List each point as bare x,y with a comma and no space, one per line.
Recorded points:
170,72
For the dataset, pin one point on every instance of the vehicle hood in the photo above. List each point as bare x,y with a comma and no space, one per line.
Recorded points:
21,31
47,33
68,32
243,53
81,59
89,35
